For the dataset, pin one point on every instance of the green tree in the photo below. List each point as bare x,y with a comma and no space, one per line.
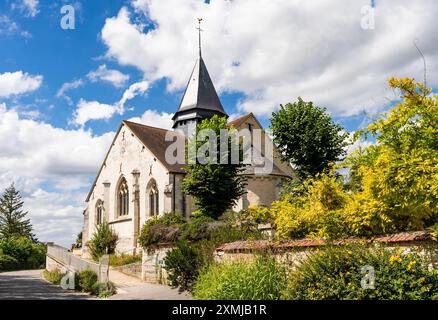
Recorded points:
307,137
215,187
400,173
103,241
13,222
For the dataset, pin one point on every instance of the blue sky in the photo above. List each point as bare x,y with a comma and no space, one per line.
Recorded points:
63,93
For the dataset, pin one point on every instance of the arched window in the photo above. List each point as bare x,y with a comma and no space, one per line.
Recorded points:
153,199
123,198
99,212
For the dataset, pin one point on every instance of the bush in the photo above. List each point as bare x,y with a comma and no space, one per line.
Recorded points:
335,273
163,229
27,253
103,289
262,279
104,241
54,276
85,280
8,263
197,228
182,265
123,259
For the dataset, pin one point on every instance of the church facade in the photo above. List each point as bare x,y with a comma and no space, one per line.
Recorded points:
136,183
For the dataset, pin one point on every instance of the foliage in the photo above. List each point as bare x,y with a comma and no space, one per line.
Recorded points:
103,289
54,276
26,253
85,280
391,186
8,263
163,229
79,240
13,222
183,264
256,215
262,279
307,137
215,187
398,177
103,241
336,273
123,259
198,228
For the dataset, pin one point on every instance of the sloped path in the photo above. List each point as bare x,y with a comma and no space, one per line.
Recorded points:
29,285
131,288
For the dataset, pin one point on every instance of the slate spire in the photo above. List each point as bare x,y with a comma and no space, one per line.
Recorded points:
200,99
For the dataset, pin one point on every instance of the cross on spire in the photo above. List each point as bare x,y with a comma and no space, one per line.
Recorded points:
199,34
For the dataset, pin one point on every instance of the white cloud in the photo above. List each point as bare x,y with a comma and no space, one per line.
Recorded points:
14,83
155,119
135,89
8,27
275,53
30,7
67,87
115,77
52,167
92,110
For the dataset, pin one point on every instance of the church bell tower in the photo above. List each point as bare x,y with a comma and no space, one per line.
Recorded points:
200,100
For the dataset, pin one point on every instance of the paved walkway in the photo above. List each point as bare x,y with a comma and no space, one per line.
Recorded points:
29,285
131,288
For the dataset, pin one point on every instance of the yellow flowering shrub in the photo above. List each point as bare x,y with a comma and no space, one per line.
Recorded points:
392,185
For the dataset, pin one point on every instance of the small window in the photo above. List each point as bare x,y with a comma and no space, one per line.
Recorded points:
123,198
153,201
99,212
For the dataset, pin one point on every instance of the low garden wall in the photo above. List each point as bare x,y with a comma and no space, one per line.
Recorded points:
59,258
153,263
292,252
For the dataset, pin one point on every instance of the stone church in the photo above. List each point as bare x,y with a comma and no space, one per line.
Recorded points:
136,183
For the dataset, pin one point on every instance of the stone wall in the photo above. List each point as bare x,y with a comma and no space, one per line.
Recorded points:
152,265
293,253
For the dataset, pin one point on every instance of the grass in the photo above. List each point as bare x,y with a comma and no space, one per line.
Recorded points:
123,259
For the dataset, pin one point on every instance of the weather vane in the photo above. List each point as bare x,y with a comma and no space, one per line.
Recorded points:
200,30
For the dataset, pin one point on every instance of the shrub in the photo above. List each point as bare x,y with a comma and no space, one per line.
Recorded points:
123,259
197,228
335,273
182,265
163,229
85,280
103,289
262,279
27,253
54,276
104,241
8,263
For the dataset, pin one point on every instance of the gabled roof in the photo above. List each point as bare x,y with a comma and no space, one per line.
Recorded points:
155,140
239,121
200,92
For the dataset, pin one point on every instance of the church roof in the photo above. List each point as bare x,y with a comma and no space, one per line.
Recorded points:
155,140
239,121
200,92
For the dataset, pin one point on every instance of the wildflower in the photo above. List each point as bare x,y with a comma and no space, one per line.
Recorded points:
411,264
394,259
